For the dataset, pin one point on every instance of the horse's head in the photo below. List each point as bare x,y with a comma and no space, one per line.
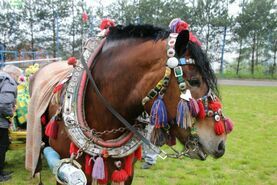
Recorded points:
173,80
198,122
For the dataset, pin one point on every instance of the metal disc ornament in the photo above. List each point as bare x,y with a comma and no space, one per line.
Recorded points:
172,62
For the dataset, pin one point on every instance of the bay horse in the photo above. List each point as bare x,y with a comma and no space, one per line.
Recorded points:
131,63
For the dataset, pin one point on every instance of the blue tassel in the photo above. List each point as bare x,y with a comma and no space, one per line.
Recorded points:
183,117
158,113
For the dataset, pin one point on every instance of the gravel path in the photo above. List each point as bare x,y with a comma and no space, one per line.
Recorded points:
249,82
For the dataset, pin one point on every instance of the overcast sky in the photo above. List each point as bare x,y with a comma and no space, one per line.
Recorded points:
233,8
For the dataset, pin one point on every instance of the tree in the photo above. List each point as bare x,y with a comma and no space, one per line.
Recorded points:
255,20
9,27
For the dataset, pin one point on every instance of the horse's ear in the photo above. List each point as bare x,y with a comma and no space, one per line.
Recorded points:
182,42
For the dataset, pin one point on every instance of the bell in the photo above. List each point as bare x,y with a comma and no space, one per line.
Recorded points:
69,174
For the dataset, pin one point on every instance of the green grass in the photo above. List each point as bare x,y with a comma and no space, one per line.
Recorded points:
250,157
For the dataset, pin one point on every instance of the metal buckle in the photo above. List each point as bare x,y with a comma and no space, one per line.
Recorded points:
162,155
178,71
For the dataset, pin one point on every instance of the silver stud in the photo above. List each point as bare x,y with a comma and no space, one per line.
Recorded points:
217,117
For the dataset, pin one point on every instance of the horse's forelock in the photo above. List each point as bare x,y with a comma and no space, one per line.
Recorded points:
203,63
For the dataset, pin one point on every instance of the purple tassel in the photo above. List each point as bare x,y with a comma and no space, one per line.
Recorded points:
183,117
158,113
194,108
98,171
228,125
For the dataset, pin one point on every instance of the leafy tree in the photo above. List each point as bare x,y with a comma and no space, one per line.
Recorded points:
9,27
254,20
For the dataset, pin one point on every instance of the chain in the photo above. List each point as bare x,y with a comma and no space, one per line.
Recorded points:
190,146
99,134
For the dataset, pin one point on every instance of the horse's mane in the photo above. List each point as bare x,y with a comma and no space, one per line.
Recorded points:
156,33
137,31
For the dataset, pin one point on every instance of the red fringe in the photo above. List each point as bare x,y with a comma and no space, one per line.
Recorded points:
129,164
88,165
58,88
43,119
73,148
138,153
219,127
214,106
119,176
52,129
106,179
202,113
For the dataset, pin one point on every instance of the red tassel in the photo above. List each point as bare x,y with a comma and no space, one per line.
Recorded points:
73,148
88,165
129,164
58,88
105,180
119,176
202,113
214,106
52,129
43,119
219,127
138,153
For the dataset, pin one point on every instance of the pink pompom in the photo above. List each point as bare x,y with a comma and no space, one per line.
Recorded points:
228,125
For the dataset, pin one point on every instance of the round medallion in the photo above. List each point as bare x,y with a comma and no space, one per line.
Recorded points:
172,62
210,113
217,117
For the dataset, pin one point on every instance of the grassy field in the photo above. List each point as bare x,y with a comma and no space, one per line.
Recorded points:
251,151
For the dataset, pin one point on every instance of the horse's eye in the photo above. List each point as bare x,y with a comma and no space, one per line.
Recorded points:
194,82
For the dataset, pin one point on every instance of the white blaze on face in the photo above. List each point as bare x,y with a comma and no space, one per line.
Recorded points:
207,137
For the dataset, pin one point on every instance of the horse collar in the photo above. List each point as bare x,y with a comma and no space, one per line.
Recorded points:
86,139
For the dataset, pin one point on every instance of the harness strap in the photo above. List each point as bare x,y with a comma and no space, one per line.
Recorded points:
118,116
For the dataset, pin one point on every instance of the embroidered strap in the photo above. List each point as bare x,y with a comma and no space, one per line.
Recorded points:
160,88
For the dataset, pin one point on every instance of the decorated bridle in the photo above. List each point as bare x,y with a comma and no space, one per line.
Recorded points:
188,108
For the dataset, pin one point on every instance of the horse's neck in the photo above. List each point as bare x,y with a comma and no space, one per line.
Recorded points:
124,76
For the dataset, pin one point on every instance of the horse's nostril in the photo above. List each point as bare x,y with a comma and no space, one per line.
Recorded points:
221,146
220,150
